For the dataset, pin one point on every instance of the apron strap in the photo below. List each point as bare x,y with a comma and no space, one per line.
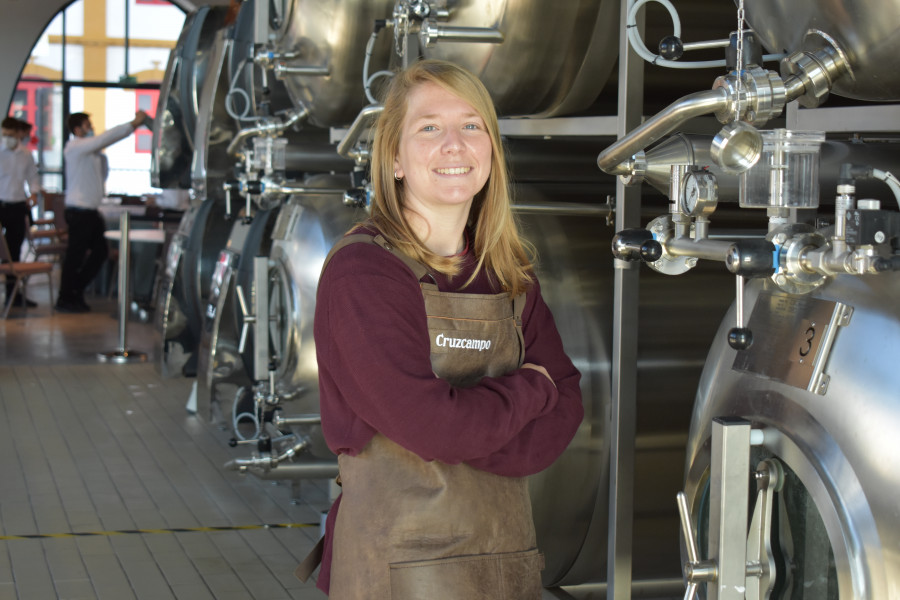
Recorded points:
518,309
418,269
312,560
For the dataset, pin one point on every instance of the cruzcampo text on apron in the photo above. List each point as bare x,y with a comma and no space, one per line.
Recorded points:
408,529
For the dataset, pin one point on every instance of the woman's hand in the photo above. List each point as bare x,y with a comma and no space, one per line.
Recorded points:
539,369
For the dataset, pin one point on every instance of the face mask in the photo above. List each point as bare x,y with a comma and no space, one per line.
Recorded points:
10,142
89,133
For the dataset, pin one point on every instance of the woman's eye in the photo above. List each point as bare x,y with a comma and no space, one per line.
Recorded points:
429,128
472,126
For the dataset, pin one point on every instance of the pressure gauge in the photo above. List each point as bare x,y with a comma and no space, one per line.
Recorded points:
699,194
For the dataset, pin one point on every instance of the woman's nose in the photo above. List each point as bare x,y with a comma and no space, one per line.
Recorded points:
452,141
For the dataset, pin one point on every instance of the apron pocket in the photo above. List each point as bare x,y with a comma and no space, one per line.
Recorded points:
509,576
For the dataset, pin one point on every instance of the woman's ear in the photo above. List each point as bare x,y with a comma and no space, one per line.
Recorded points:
398,170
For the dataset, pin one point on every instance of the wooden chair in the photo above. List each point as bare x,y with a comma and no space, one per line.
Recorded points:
21,271
49,236
55,205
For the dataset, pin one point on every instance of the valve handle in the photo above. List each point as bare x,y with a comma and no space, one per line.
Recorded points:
636,244
248,319
248,215
695,570
690,542
686,530
651,251
740,337
227,202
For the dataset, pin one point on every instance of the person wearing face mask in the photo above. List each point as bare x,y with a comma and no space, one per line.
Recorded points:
86,171
17,169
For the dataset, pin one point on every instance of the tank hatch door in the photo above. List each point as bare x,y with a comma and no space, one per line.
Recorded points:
742,562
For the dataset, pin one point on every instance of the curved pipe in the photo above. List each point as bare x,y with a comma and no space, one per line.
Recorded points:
363,121
266,129
692,105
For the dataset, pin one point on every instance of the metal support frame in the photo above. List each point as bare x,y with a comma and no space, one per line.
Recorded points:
623,414
261,310
728,505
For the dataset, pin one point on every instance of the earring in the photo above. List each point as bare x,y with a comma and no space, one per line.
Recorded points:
397,177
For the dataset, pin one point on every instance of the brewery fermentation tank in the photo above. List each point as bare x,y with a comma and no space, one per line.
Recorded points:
175,121
553,59
865,32
836,535
220,358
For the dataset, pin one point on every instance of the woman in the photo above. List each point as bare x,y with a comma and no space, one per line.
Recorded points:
443,380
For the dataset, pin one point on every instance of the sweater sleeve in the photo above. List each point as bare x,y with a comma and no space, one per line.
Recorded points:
375,371
545,438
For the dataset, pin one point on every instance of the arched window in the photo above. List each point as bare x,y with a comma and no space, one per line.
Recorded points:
105,58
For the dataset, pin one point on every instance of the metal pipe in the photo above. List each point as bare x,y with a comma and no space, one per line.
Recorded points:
706,249
432,33
268,128
666,121
688,46
641,588
314,469
286,188
363,121
564,208
282,69
311,419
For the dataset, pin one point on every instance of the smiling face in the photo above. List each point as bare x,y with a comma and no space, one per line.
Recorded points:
444,155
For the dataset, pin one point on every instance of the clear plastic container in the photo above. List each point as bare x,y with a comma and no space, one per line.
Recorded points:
269,154
787,173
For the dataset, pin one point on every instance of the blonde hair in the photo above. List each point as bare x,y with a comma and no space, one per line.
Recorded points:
497,244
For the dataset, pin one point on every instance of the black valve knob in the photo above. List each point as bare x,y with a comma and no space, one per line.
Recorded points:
671,48
651,251
751,258
232,442
636,244
740,338
253,187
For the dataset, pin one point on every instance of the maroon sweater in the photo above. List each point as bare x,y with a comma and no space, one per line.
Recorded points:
375,376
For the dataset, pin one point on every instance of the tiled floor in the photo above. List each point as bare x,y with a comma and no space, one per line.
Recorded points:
109,488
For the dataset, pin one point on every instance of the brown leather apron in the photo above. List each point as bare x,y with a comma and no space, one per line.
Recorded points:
410,529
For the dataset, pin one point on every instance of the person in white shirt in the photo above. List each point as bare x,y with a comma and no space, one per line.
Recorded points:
86,171
17,168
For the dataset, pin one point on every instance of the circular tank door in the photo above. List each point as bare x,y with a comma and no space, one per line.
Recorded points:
802,543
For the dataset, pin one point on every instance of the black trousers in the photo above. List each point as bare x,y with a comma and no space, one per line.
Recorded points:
12,215
86,252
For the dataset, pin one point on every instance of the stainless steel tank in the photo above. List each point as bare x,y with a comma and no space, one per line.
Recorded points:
866,32
555,56
220,361
837,528
307,228
175,121
554,59
203,230
185,283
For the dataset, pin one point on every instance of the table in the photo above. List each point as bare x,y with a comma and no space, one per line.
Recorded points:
152,236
